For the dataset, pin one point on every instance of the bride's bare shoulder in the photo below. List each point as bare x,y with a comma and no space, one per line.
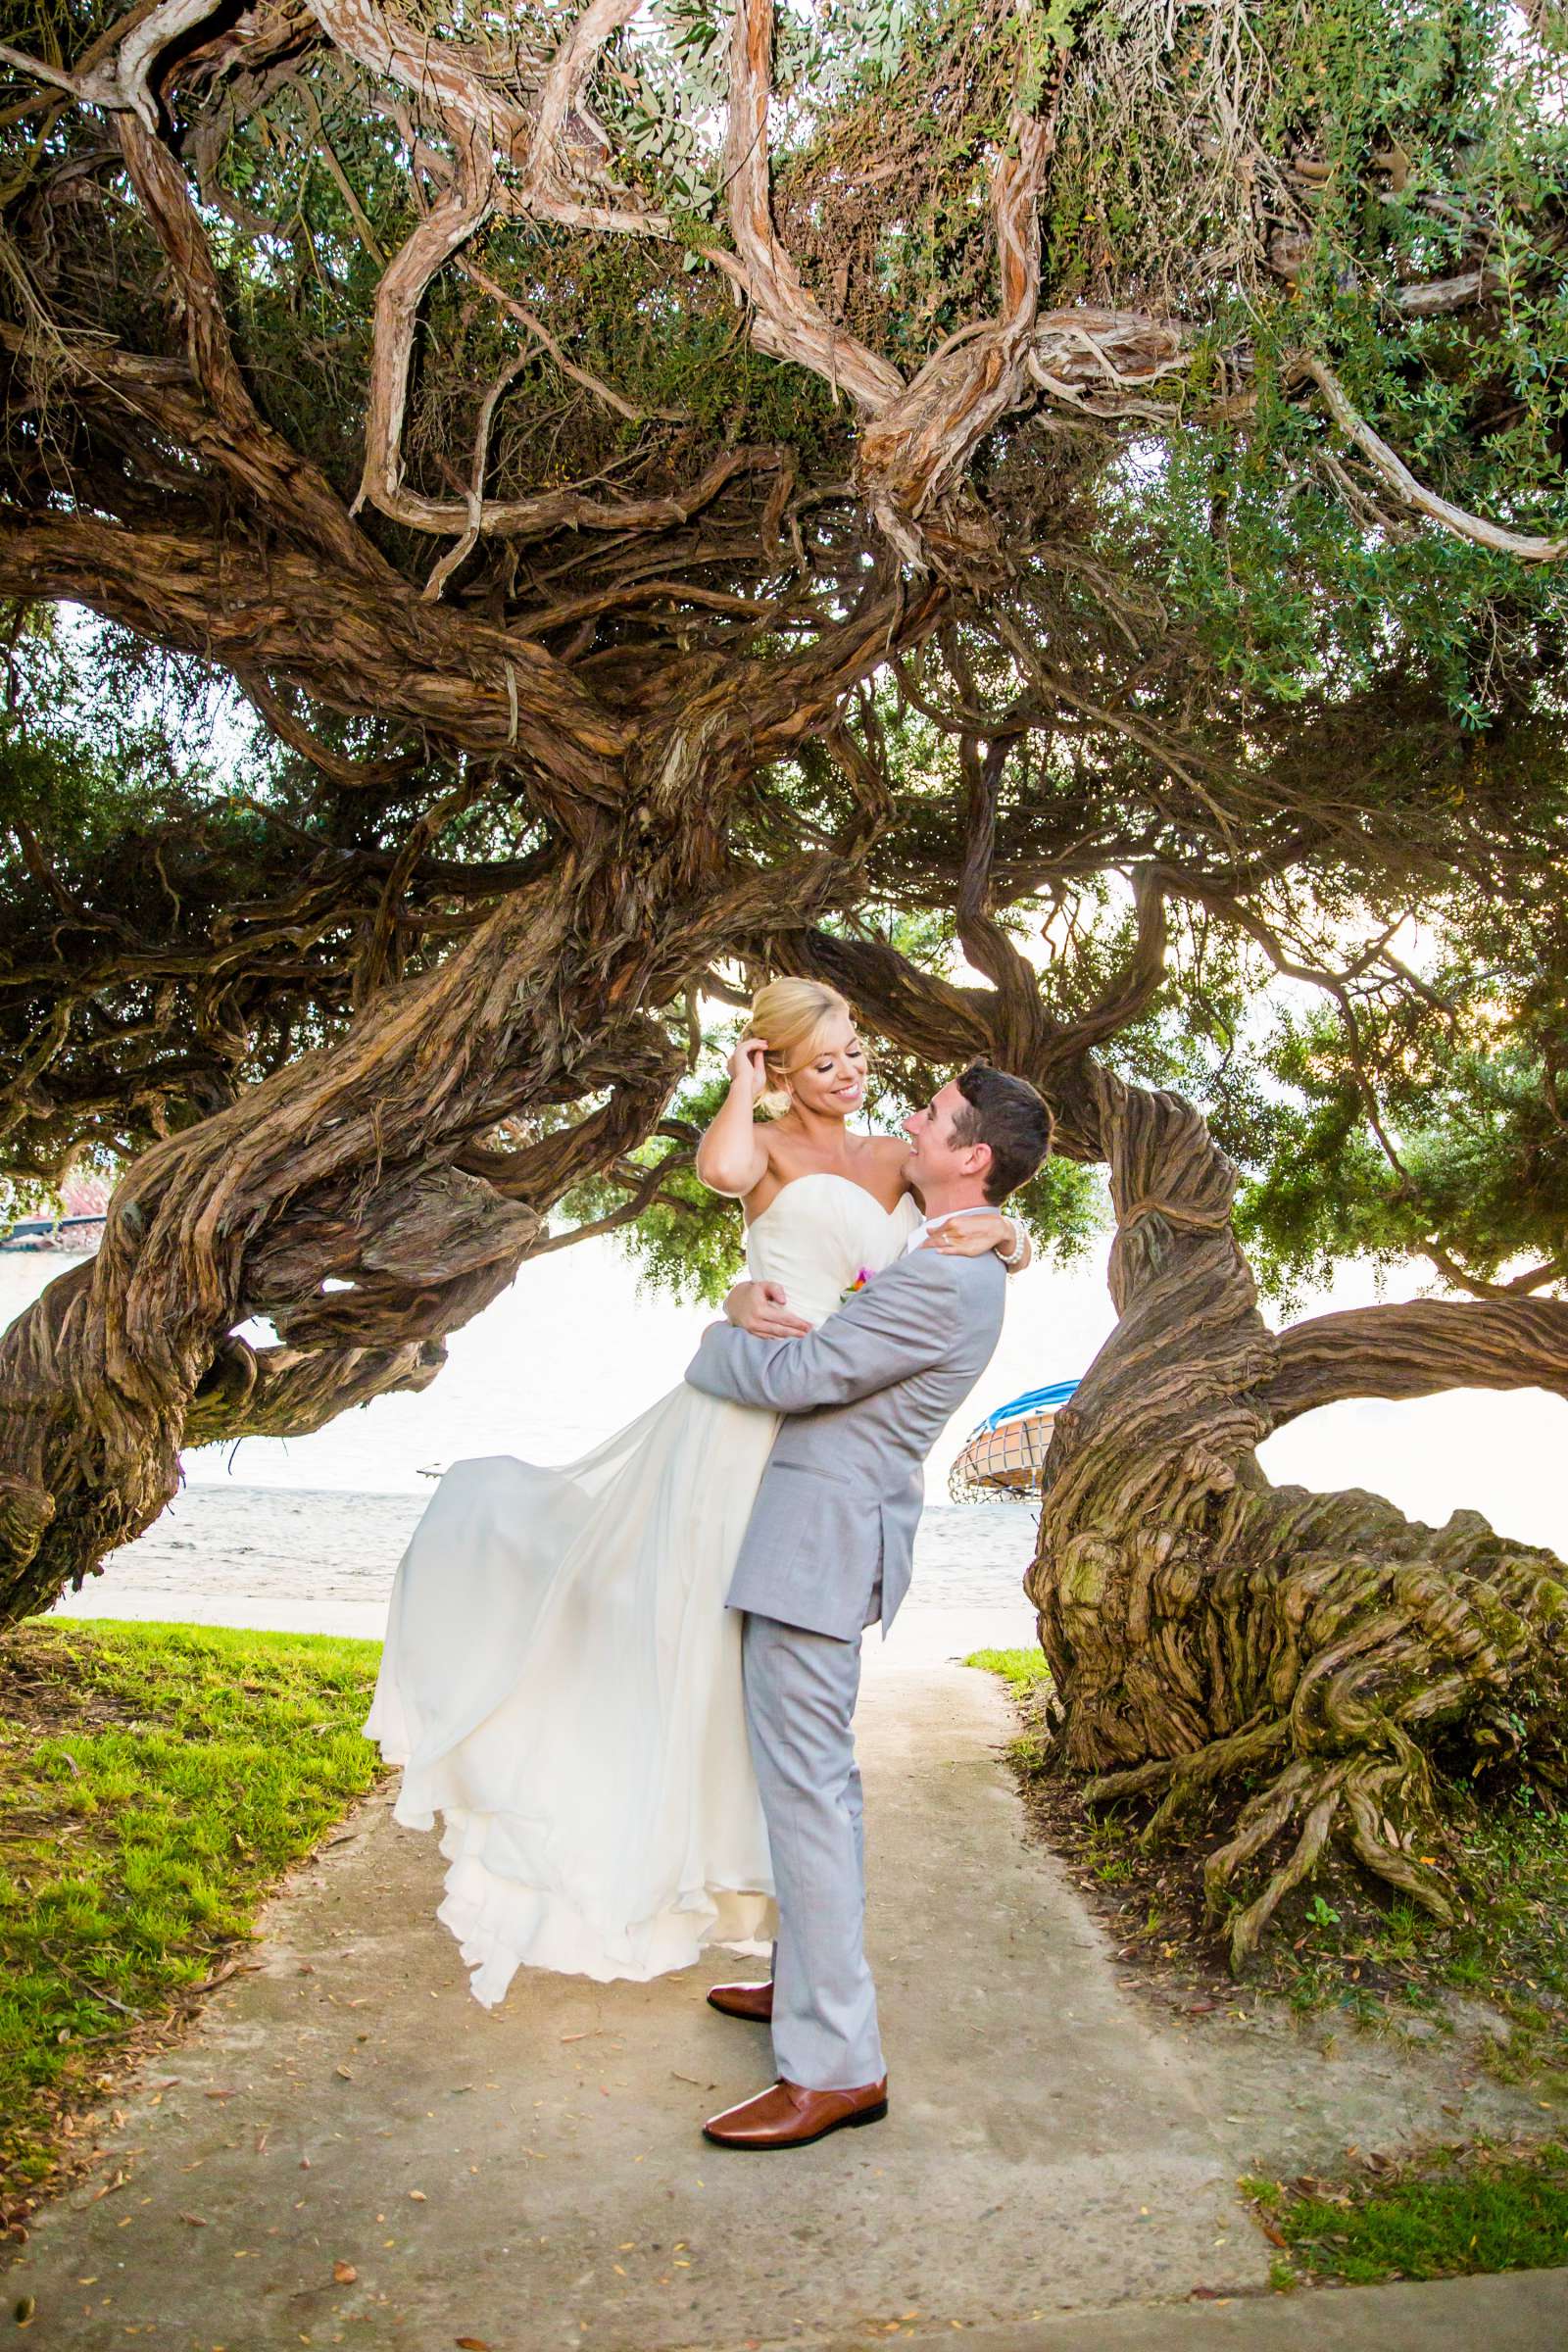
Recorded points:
879,1167
887,1153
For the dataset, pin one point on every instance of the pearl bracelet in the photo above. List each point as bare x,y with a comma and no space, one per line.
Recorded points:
1019,1243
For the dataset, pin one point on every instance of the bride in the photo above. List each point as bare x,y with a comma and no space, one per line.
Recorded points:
561,1680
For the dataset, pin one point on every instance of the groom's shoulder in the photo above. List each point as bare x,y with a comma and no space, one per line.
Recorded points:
979,1281
934,1270
986,1269
928,1266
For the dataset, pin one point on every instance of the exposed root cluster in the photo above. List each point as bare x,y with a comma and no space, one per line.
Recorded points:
1356,1655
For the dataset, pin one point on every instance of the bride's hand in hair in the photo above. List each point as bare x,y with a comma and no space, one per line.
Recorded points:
763,1309
732,1154
748,1065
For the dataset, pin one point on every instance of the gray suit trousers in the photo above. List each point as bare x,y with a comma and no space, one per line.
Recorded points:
801,1690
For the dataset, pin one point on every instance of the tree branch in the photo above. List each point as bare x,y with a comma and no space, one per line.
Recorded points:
346,641
788,322
261,459
1417,1349
1395,471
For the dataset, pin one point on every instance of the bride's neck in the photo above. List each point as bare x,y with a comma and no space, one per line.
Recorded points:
823,1130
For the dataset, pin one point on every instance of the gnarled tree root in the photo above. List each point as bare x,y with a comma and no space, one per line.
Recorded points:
1359,1674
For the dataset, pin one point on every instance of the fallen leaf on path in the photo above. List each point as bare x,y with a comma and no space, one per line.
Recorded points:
195,2220
23,2314
230,1968
470,2343
344,2072
344,2274
417,2196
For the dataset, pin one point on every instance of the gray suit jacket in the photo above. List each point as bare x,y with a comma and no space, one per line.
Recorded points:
867,1393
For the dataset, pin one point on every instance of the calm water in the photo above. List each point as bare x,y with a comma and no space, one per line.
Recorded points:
294,1544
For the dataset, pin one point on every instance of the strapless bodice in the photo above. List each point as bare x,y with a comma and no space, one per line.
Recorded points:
819,1234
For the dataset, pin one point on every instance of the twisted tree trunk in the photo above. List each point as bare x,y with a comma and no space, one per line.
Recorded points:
1202,1626
356,1199
317,1175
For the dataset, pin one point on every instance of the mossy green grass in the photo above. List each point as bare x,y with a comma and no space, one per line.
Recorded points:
1480,2210
156,1780
1022,1670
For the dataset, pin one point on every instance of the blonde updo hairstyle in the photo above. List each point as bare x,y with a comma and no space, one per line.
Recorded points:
792,1015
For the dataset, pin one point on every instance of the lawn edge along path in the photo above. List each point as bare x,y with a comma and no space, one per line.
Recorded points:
156,1782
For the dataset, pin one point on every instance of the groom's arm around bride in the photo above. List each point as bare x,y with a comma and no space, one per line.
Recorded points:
899,1324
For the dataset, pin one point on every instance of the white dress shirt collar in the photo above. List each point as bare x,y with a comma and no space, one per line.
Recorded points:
979,1208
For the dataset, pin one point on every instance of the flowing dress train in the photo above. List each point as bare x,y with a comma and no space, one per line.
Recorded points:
561,1680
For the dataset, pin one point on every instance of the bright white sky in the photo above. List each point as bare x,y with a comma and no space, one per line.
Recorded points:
573,1352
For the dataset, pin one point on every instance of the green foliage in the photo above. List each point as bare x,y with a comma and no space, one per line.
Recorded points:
1391,134
181,894
1066,1208
695,1254
687,1244
1434,1124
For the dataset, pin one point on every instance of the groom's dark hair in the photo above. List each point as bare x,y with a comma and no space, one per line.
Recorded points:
1009,1116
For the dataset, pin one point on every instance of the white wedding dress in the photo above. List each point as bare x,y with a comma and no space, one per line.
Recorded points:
561,1680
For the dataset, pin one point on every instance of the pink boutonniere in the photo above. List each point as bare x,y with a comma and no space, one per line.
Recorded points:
862,1277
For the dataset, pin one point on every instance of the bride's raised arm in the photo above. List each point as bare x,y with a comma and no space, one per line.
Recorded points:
732,1157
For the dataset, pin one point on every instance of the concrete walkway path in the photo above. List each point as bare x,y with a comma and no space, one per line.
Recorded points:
349,2151
1525,2311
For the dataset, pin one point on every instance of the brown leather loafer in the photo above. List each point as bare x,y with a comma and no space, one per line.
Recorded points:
753,2002
791,2116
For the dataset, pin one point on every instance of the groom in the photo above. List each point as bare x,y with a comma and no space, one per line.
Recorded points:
828,1551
